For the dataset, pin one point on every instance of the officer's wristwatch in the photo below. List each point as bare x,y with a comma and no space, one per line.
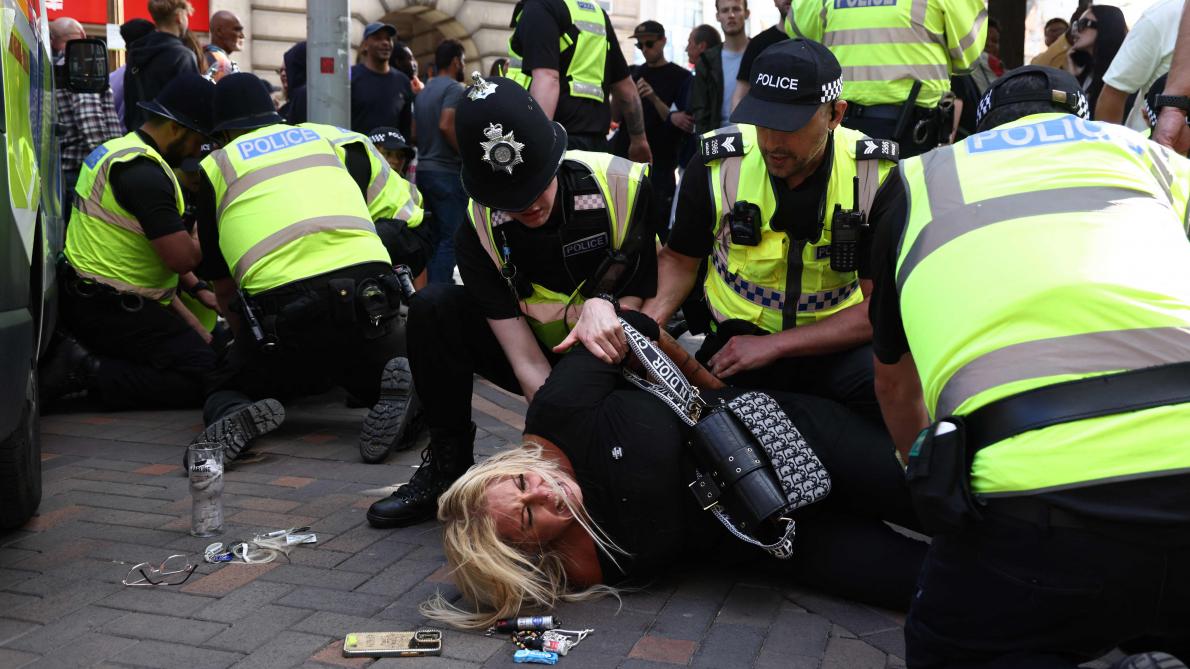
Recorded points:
610,298
193,291
1177,101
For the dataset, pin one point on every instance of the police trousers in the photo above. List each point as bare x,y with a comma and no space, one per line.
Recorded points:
1011,594
310,356
149,358
846,377
449,343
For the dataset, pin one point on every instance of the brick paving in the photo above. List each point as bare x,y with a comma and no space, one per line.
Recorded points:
114,495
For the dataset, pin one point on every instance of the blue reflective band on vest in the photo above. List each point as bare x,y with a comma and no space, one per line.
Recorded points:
276,141
97,155
850,4
1053,131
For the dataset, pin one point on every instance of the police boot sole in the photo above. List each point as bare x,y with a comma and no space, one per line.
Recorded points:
386,422
236,432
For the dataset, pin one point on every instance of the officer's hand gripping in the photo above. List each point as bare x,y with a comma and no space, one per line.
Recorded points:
742,353
599,329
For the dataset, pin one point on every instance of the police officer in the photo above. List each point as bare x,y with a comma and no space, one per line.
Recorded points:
559,241
566,54
394,147
1033,296
897,57
770,209
295,260
125,248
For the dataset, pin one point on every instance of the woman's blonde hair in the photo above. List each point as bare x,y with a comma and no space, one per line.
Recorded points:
500,580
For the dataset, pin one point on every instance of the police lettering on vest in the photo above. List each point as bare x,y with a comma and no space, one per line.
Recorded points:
849,4
787,83
584,245
1053,131
277,141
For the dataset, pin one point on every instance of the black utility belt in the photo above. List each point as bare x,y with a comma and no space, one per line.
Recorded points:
886,112
939,469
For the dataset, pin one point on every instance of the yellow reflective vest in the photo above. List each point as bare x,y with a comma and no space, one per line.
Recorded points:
287,209
105,243
1047,250
886,45
753,283
587,36
389,194
552,314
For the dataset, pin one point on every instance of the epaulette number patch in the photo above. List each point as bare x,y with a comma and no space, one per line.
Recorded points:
871,149
722,146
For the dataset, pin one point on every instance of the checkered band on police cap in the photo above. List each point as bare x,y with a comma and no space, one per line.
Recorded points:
832,90
1059,92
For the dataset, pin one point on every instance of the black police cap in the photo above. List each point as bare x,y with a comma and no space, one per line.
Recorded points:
243,103
509,148
1061,89
186,100
790,80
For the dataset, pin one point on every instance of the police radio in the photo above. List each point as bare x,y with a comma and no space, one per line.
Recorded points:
847,227
744,224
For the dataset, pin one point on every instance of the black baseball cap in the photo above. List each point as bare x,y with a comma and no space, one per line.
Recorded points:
790,80
509,148
1061,89
373,28
649,29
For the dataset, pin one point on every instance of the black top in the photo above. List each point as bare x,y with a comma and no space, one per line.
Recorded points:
799,210
153,61
545,21
380,100
147,192
668,81
536,253
766,38
628,452
213,264
1152,501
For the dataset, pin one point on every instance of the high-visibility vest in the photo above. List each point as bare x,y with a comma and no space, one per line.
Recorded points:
588,37
552,314
105,243
1047,250
389,195
287,209
884,46
753,283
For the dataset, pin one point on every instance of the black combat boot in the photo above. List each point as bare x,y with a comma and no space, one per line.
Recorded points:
448,456
69,369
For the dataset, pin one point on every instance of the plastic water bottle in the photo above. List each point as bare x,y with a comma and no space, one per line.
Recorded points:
205,466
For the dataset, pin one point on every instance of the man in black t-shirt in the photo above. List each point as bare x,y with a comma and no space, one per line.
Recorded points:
539,25
380,95
556,240
767,37
659,83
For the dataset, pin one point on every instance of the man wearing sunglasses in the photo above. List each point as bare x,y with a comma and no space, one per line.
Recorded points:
660,84
558,241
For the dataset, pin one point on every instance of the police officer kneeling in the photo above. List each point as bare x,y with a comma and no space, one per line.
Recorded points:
1033,295
295,260
775,214
556,239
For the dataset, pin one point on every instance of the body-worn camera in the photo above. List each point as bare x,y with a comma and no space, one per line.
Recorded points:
744,221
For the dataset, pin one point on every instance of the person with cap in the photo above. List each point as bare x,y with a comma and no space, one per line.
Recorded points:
393,146
774,206
898,57
381,95
291,250
565,53
559,241
125,248
660,84
1054,473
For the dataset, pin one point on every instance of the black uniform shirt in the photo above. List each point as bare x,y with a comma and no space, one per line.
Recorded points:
147,192
213,264
767,37
536,253
544,21
799,210
1150,502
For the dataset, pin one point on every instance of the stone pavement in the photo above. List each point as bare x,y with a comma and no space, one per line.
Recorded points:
114,496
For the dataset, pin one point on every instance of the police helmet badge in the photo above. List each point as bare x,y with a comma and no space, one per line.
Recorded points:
501,151
480,87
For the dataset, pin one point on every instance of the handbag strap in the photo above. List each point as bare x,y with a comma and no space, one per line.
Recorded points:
664,380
